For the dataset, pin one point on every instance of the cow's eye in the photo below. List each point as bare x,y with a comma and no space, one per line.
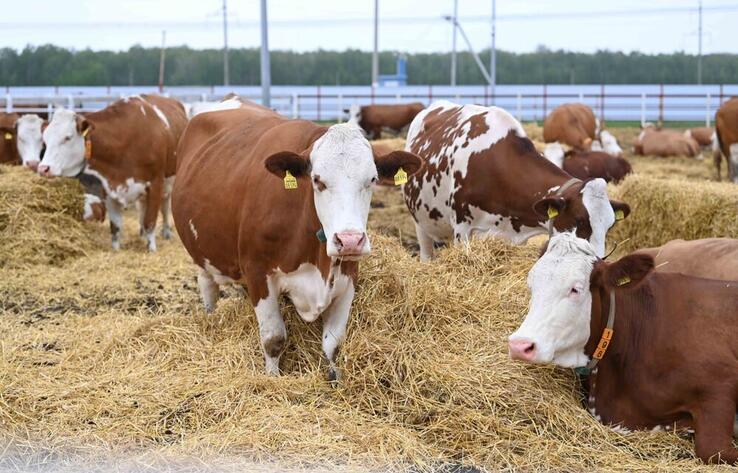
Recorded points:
574,291
67,138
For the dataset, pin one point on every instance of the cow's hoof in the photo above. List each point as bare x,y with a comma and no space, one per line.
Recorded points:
166,234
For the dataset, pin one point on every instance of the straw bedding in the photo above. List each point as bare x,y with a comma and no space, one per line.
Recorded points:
110,355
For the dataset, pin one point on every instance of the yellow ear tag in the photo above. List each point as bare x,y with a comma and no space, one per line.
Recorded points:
88,149
623,281
400,177
8,136
619,215
552,212
290,182
84,133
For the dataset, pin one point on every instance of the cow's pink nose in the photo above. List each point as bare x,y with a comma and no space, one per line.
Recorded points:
522,349
350,243
44,170
32,165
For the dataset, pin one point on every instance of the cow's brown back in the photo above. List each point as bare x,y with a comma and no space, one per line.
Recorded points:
593,164
8,146
177,118
711,258
666,143
702,135
573,124
396,117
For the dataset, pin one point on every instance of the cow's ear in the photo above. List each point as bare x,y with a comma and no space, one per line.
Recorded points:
628,271
549,207
84,126
389,164
283,161
44,125
621,209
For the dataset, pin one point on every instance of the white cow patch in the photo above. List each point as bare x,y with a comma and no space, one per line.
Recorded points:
734,161
308,291
216,274
129,192
143,110
193,229
90,199
161,115
554,152
601,214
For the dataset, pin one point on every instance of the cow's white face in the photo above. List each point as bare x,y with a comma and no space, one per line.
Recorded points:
65,146
343,175
557,326
601,213
30,141
610,144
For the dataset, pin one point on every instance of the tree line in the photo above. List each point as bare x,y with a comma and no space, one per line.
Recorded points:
52,65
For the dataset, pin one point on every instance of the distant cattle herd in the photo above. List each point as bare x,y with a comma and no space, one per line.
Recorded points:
279,206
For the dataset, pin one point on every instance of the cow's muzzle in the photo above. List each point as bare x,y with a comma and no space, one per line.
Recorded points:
522,349
350,243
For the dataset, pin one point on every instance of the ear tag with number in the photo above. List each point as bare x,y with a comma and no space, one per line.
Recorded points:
400,177
623,281
8,136
290,182
552,212
619,215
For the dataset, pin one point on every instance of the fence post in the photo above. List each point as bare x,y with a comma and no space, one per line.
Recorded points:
602,104
581,97
204,97
9,103
486,96
519,107
70,102
398,98
430,94
295,105
545,101
707,110
49,111
661,104
340,108
643,110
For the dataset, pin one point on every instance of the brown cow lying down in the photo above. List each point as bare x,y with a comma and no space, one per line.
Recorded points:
279,206
660,347
375,118
129,147
586,165
664,143
726,130
8,144
697,258
572,124
702,135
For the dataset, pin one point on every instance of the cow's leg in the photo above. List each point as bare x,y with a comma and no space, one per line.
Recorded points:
713,425
335,319
272,331
209,290
733,163
150,212
115,215
166,208
717,159
425,242
141,209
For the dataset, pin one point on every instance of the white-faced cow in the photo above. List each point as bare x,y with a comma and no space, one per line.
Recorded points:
660,347
29,129
483,177
130,147
279,206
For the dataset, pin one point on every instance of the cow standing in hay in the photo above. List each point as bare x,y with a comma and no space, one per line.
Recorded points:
279,206
483,177
660,348
726,130
128,149
375,118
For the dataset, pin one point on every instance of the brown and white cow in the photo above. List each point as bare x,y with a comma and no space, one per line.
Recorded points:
29,129
483,177
660,347
279,206
702,135
654,141
130,147
589,164
575,125
711,258
8,145
374,118
726,129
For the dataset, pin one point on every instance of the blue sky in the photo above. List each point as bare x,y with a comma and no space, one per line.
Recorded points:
658,26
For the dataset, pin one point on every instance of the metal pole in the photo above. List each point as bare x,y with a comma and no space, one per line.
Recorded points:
453,43
699,45
474,54
226,78
493,52
266,80
375,54
161,60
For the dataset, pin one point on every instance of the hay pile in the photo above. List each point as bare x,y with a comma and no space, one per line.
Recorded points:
665,209
40,219
95,366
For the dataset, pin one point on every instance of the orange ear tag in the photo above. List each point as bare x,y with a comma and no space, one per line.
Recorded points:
290,182
400,177
88,149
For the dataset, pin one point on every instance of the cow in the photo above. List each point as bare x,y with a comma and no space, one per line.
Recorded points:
702,135
229,101
660,348
374,118
29,130
697,258
575,125
588,164
664,143
483,177
726,130
130,148
279,206
9,147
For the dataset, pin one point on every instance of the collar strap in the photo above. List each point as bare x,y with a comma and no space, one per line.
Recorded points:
320,234
605,339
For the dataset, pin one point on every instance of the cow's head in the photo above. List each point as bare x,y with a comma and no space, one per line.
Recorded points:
342,170
30,139
585,208
558,324
65,144
610,144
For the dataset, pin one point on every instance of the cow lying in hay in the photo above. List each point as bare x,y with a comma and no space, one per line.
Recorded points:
660,348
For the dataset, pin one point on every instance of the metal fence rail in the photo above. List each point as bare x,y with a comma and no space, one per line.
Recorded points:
314,104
